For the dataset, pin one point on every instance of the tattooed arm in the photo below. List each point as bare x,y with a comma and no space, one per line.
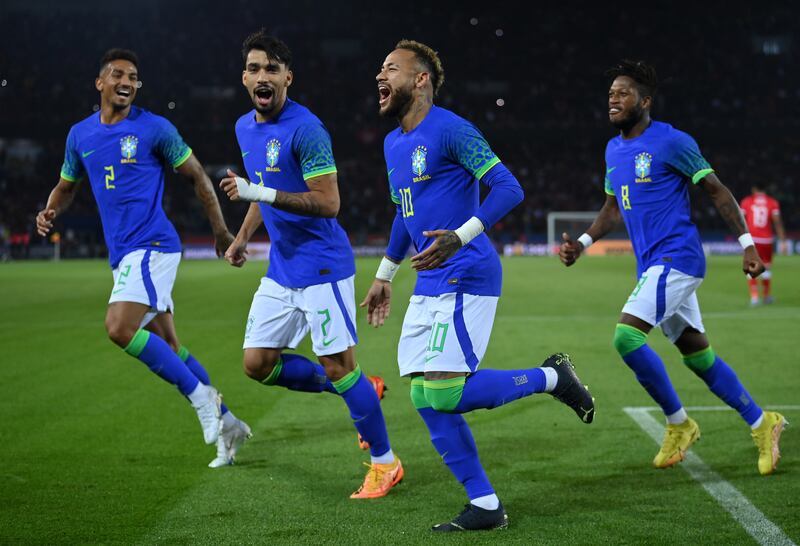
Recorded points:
730,211
204,190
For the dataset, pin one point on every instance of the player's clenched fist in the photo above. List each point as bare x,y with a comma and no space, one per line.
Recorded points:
44,221
569,251
751,263
229,185
236,255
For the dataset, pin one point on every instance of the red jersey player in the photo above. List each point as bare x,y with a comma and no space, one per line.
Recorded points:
762,211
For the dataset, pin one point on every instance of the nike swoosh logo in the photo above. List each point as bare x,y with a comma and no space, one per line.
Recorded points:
609,171
245,153
328,342
429,358
87,154
390,172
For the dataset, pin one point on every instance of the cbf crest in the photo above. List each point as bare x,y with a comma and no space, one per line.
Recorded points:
641,167
273,151
128,146
419,163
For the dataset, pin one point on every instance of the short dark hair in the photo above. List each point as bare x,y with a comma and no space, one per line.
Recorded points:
429,58
642,73
275,48
116,54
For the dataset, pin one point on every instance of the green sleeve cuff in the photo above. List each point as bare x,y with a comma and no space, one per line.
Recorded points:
611,192
319,172
699,175
489,164
68,177
182,159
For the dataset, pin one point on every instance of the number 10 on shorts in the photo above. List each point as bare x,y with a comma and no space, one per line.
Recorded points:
438,336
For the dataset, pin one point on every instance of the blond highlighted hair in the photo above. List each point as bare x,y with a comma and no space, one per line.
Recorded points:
427,57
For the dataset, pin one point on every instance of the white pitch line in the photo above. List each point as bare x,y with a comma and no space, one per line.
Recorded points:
737,505
717,408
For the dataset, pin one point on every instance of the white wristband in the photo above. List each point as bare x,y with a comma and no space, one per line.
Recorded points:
746,240
253,192
469,230
586,240
387,270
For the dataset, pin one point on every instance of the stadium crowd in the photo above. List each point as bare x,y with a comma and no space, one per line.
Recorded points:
536,88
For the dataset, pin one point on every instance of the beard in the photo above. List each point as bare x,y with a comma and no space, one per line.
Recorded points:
399,103
630,120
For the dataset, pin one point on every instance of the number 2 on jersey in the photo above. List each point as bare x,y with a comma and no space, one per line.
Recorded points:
109,177
407,206
626,200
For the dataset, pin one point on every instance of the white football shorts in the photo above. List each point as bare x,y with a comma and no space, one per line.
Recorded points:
281,317
667,298
448,333
146,277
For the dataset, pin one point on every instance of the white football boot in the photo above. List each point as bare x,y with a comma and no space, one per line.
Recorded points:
208,413
230,440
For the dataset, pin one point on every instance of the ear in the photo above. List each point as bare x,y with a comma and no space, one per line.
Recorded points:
289,78
244,78
647,102
98,84
422,79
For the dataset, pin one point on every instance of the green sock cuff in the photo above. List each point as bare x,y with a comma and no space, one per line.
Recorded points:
274,375
444,394
346,383
183,353
137,343
628,338
418,393
701,360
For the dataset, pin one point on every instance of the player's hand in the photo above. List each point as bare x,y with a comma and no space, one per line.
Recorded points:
228,185
751,263
378,302
446,244
236,255
569,251
783,247
44,221
222,242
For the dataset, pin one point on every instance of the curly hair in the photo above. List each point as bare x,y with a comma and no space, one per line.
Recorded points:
274,47
429,58
642,73
117,54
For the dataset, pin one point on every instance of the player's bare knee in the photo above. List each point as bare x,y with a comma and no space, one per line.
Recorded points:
119,332
258,365
339,365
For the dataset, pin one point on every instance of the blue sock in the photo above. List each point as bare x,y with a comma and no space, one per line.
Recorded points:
162,360
453,440
297,373
365,410
723,382
493,388
199,372
651,373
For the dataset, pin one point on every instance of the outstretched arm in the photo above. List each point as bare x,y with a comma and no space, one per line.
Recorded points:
730,211
606,220
204,190
321,199
59,200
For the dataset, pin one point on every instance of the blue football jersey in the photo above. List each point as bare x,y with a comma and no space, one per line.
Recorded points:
650,177
124,163
434,173
283,153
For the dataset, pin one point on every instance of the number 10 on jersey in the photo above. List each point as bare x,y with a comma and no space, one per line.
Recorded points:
405,202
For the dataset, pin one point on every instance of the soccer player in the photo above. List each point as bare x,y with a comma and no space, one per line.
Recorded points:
122,150
760,212
649,167
309,282
434,161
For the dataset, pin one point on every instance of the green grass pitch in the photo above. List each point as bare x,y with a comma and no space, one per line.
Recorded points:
97,450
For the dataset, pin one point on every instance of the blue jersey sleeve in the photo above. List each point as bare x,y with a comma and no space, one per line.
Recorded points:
312,145
170,145
72,169
609,189
464,144
686,159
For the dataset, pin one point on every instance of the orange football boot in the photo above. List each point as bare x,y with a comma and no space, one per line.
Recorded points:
379,480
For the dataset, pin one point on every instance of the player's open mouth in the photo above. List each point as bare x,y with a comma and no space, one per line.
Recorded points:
384,93
124,93
263,95
614,111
